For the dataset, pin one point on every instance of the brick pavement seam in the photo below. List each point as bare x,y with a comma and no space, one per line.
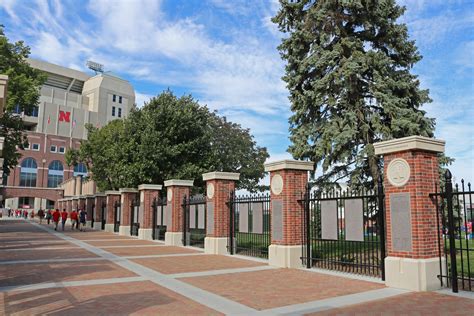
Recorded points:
218,272
345,275
50,260
164,256
464,294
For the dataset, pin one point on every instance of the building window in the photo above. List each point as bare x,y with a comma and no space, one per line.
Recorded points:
27,147
49,204
113,111
17,109
120,99
80,170
119,112
35,147
114,98
25,202
28,172
61,150
33,112
53,148
55,174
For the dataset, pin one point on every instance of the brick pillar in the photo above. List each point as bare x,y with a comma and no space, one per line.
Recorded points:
75,203
68,205
288,179
127,195
99,201
88,208
81,203
410,173
219,186
176,191
148,192
111,198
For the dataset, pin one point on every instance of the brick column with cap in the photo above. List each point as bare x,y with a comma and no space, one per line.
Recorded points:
148,192
99,202
219,186
410,174
111,198
89,202
288,180
127,195
176,190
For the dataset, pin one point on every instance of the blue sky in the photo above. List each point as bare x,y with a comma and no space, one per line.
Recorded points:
224,54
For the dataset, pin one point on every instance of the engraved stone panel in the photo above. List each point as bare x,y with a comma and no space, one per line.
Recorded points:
210,191
158,216
201,216
329,219
277,184
354,219
398,172
169,194
210,218
277,220
244,218
168,215
257,218
400,214
192,216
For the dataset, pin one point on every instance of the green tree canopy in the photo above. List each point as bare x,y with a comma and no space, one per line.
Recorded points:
348,74
24,85
169,137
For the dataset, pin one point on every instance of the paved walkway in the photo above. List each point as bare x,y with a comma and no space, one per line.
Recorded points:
85,273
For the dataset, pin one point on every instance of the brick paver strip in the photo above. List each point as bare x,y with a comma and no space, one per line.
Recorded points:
46,254
31,246
144,298
132,242
279,287
56,272
417,303
138,251
183,264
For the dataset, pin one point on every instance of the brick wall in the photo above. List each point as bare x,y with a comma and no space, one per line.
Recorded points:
178,193
148,197
98,207
111,199
423,176
126,207
222,191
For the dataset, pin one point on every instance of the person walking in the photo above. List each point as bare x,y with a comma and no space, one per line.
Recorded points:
63,218
40,215
74,220
56,215
82,219
49,215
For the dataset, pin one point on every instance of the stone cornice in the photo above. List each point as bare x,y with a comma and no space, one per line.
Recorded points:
179,183
409,143
150,187
289,165
221,176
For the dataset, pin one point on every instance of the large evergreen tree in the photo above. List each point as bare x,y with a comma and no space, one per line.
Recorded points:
348,73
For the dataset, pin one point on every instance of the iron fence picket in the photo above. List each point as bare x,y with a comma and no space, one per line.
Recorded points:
159,204
194,236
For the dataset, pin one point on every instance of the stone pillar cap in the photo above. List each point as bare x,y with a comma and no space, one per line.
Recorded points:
221,176
149,187
289,164
409,143
128,190
111,192
179,183
100,194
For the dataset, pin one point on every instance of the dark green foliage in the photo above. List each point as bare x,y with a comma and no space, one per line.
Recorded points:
348,73
170,138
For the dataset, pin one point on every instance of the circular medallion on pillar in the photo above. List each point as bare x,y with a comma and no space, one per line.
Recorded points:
277,184
169,194
398,172
210,191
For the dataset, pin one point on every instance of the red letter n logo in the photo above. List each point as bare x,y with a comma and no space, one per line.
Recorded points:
64,116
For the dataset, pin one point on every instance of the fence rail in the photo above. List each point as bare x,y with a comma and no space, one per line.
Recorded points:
161,218
249,225
194,220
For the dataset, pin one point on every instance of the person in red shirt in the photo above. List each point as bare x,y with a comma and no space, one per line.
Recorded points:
74,220
63,218
56,216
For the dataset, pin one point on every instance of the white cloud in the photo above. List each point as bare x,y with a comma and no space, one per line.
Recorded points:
141,98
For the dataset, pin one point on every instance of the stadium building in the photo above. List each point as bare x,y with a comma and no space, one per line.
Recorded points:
69,100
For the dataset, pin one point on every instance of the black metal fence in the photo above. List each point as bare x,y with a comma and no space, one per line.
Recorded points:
93,215
117,213
249,226
455,233
134,217
344,231
103,215
194,220
160,220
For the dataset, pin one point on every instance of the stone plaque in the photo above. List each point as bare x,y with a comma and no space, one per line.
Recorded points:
168,216
400,215
169,194
257,218
277,184
210,191
244,218
201,216
277,220
329,219
354,219
192,216
398,172
159,221
210,218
